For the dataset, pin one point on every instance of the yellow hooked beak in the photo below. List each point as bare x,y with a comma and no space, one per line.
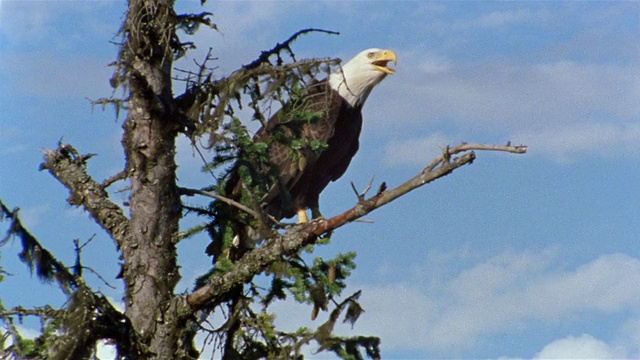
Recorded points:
382,58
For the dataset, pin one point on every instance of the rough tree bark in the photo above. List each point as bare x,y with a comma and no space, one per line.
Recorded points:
150,269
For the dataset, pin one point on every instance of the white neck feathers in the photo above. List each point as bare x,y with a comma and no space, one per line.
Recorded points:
355,84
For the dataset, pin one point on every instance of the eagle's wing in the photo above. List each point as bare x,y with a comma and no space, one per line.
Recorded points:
319,98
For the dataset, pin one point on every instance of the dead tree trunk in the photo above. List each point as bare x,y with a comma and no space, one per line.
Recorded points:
150,260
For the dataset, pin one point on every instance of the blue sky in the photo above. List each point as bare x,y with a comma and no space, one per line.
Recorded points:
515,256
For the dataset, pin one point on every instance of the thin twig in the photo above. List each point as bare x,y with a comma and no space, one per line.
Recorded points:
264,56
366,221
99,277
521,149
366,190
87,242
226,200
117,177
355,190
43,312
231,202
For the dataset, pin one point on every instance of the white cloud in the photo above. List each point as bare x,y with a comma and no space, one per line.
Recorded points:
562,109
30,216
46,42
519,96
11,137
507,17
24,23
432,65
608,284
27,332
500,20
56,76
416,151
31,22
502,294
584,346
564,142
400,314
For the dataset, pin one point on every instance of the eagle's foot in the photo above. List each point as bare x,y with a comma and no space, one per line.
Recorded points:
302,216
315,215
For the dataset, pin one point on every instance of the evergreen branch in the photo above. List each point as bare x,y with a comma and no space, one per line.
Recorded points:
200,96
35,255
85,310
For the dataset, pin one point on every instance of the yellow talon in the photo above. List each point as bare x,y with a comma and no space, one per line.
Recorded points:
302,216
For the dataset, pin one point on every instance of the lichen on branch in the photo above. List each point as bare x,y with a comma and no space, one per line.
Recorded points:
70,168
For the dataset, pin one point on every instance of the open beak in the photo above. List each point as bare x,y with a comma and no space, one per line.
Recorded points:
382,60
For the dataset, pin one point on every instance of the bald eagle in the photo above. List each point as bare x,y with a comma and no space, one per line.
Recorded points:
302,177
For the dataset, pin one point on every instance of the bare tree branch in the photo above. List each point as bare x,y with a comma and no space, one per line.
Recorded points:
231,202
255,261
44,312
264,56
191,192
69,168
117,177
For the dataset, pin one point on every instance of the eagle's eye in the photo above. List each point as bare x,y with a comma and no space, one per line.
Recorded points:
371,55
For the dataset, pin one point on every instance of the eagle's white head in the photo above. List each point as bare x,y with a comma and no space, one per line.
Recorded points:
355,79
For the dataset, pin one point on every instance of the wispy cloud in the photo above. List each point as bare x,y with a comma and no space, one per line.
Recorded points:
57,76
498,295
557,108
35,21
504,17
31,216
61,25
563,143
584,346
516,96
414,151
501,18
